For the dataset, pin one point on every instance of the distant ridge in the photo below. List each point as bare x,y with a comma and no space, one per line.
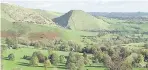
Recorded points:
80,20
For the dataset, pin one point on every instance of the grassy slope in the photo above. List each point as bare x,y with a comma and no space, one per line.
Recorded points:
79,20
84,21
6,16
48,14
22,14
63,33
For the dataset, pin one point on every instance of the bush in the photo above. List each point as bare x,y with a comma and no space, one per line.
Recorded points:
26,57
40,56
36,44
62,59
11,57
11,42
34,61
54,58
75,62
23,42
146,46
137,65
147,65
3,49
47,63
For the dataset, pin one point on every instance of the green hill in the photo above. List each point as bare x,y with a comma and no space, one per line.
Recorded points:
80,20
76,22
12,14
20,14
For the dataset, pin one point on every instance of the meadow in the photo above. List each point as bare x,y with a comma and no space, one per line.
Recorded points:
24,64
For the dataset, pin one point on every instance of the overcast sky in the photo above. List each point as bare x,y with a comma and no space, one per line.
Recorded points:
85,5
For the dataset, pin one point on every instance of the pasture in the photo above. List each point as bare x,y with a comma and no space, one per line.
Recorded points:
23,64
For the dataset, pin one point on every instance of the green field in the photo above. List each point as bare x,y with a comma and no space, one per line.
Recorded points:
22,63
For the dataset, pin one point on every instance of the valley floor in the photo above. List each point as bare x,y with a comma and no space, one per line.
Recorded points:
19,62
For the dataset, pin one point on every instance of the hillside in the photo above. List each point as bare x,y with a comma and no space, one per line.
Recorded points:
17,18
48,14
16,13
80,20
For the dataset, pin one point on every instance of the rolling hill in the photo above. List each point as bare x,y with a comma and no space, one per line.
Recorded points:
80,20
17,18
16,13
77,23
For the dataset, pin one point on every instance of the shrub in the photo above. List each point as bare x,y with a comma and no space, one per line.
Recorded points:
11,42
47,64
11,57
40,56
75,62
146,46
26,57
62,59
54,58
147,65
34,61
23,42
3,49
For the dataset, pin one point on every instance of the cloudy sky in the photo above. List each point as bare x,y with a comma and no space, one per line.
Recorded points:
86,5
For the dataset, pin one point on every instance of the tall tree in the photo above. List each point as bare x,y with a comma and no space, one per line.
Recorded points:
72,66
11,42
50,51
54,59
86,59
118,61
47,64
79,61
34,61
62,59
75,61
71,59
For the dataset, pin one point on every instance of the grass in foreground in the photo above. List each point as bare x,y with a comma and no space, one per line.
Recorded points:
23,64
